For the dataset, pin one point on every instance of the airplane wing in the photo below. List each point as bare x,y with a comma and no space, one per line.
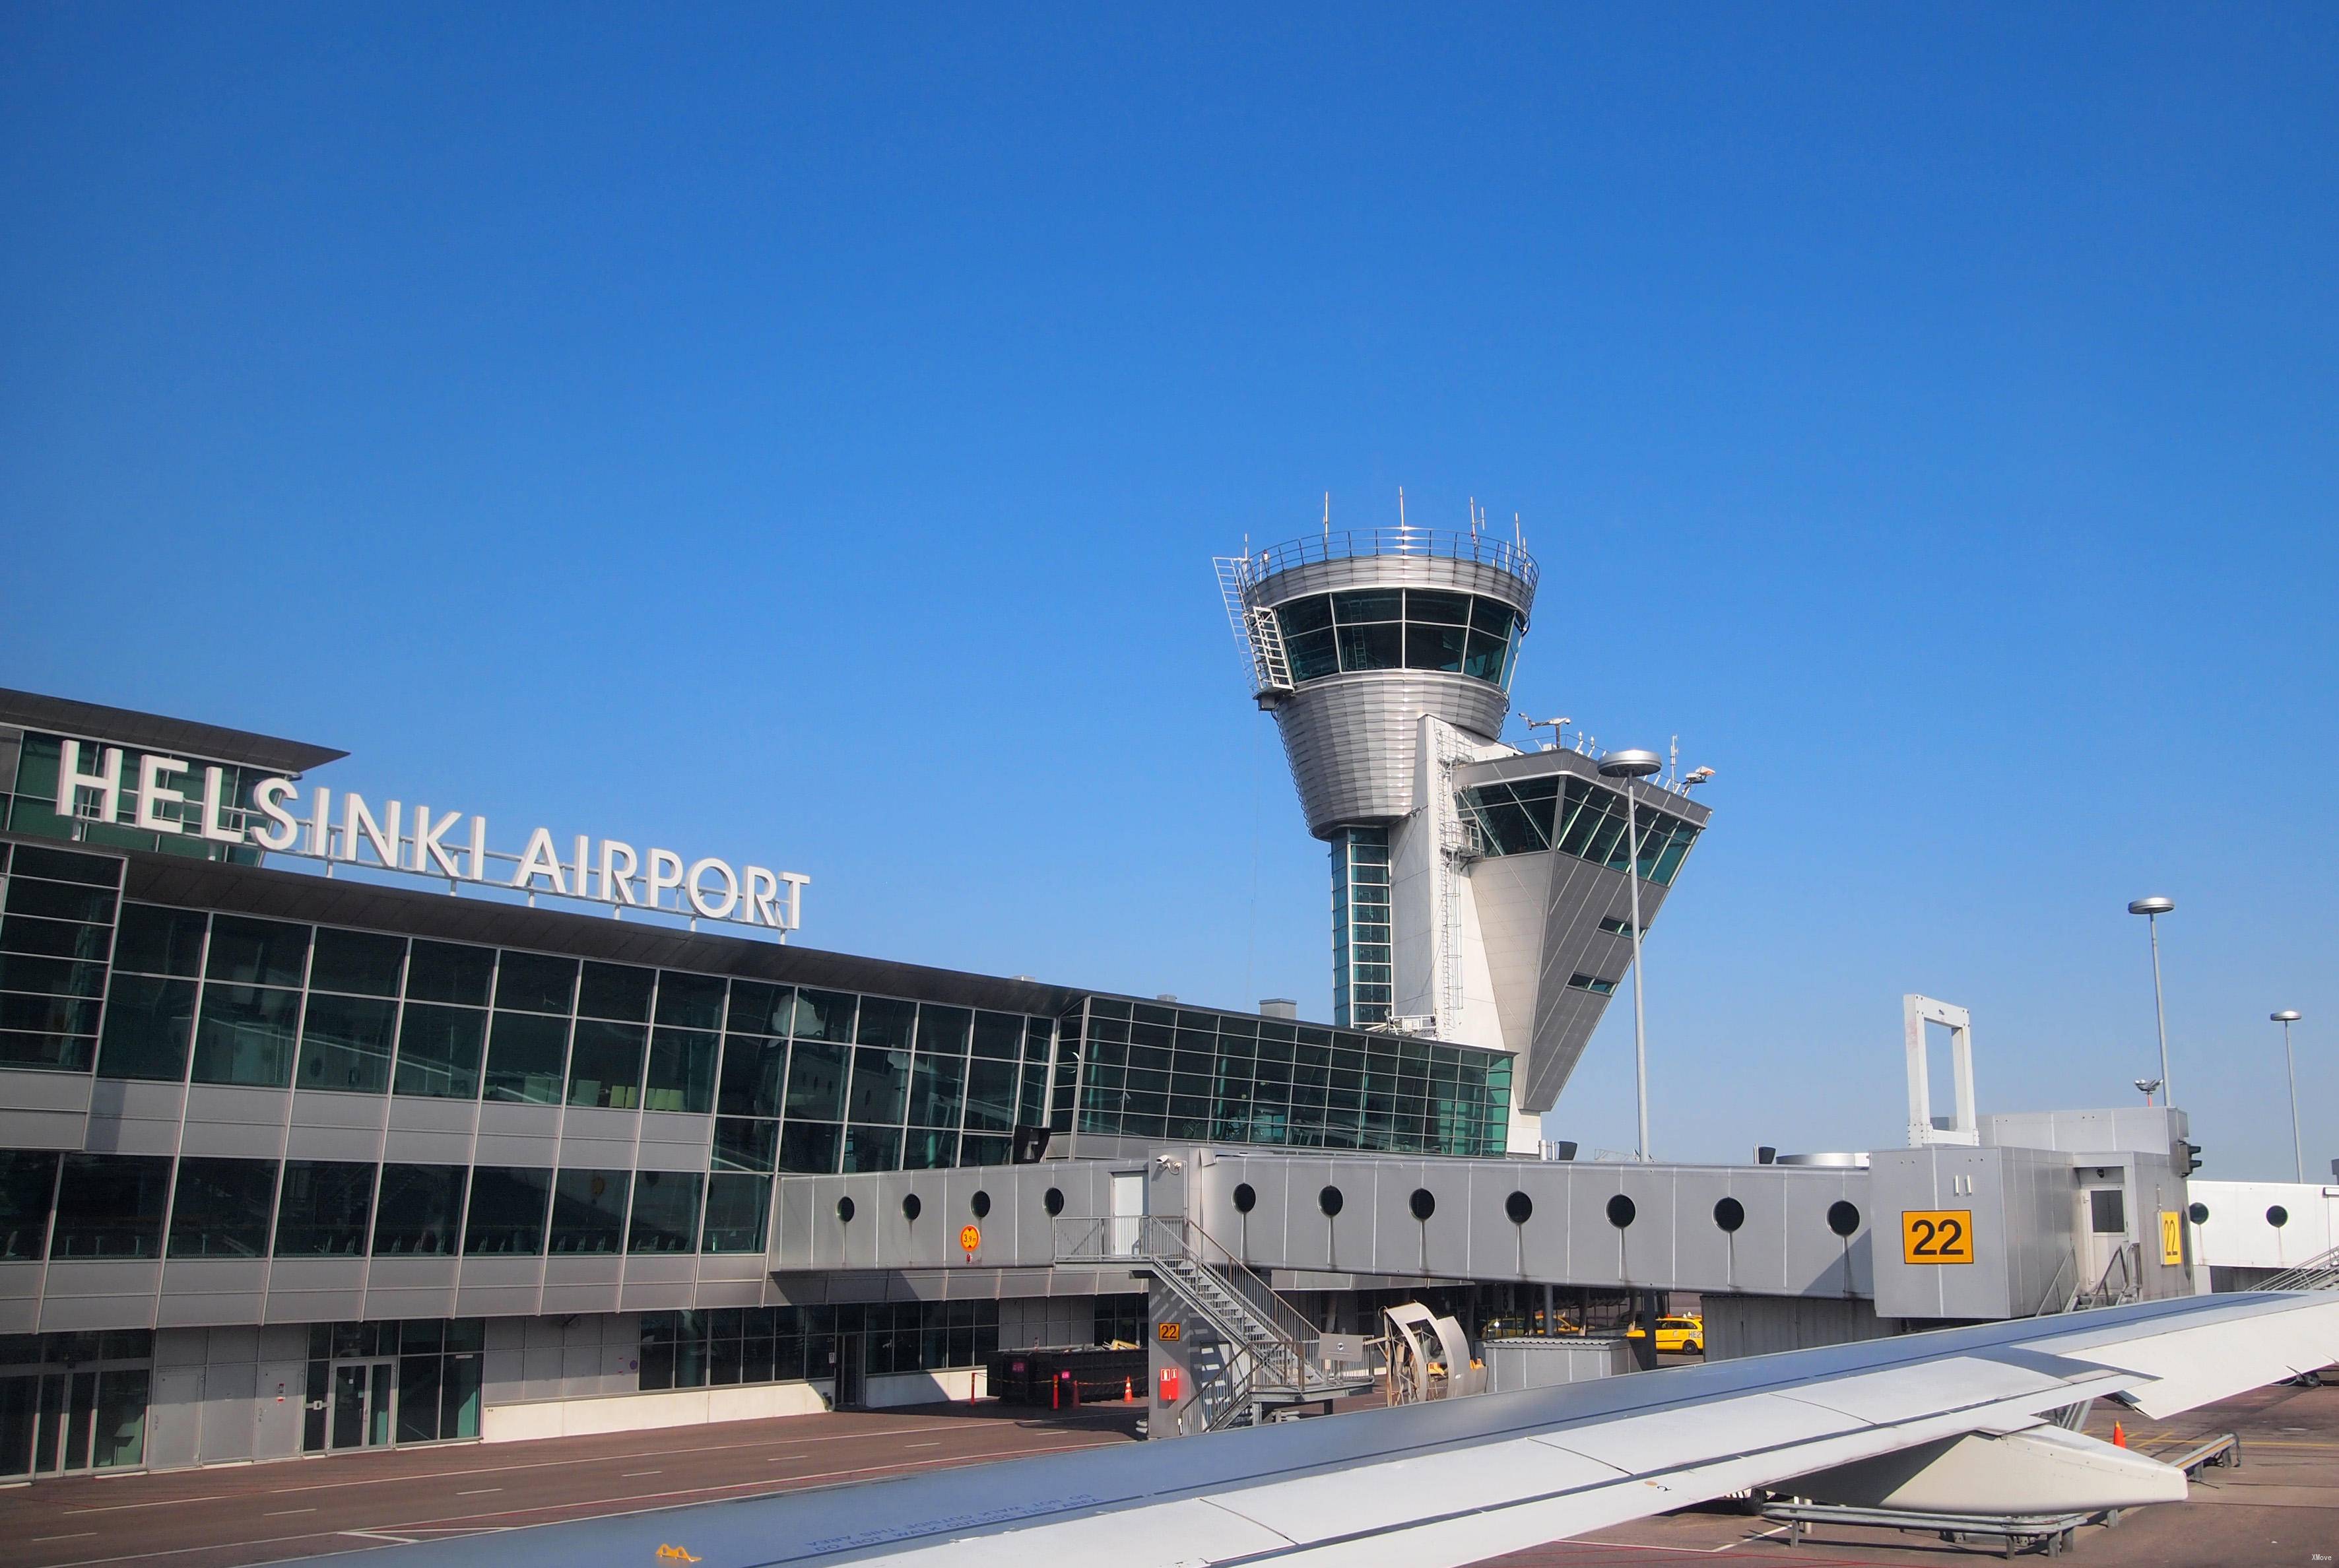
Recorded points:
1457,1481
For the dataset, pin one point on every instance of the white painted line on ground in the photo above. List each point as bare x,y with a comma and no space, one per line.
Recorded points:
635,1474
285,1512
76,1535
481,1491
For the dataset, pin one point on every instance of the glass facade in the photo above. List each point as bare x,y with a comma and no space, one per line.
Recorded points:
1400,628
32,808
1151,1070
1364,982
373,1384
797,1079
56,933
747,1344
1576,817
74,1402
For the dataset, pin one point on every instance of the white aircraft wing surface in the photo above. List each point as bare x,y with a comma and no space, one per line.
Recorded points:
1456,1481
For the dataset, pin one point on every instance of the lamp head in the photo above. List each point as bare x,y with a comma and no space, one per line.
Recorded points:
1630,764
2152,906
2287,1015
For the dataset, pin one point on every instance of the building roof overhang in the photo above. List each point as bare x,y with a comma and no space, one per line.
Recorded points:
159,732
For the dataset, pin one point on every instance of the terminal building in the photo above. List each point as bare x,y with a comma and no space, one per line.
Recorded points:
327,1126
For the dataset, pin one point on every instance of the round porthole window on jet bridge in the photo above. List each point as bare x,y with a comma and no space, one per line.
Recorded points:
1246,1198
2199,1213
979,1205
844,1210
1620,1211
1330,1201
911,1206
2277,1217
1053,1202
1518,1205
1729,1215
1423,1203
1843,1218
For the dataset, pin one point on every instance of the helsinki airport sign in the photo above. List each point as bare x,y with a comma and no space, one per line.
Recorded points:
450,846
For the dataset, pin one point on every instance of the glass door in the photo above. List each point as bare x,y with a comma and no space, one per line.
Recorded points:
363,1401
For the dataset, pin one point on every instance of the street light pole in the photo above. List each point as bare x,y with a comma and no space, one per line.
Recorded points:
1628,766
2287,1017
2152,909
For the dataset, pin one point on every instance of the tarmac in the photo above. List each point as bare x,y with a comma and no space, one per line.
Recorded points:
2280,1506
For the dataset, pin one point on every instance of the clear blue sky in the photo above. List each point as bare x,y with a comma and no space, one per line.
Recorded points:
802,435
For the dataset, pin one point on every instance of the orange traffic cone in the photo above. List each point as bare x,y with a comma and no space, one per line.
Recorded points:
1128,1391
2120,1437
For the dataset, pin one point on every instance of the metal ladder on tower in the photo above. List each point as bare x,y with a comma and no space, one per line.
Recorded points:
1456,847
1255,626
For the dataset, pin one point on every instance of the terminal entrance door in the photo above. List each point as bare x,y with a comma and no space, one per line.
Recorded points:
363,1395
1128,1211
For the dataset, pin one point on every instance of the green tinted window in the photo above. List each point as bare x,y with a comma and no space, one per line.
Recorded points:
362,963
604,1064
222,1207
245,1035
527,1058
346,1044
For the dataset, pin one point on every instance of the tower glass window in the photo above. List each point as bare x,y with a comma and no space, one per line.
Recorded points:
1364,986
1578,818
1389,629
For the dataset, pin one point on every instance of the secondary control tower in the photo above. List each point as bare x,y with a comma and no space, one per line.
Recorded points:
1478,891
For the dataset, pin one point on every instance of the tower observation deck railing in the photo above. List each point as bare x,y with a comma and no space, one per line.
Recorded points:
1347,544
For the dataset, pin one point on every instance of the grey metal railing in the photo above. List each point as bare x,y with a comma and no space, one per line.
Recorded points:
2320,1272
1269,1336
1343,544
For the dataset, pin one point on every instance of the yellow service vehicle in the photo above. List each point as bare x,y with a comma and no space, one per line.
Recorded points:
1680,1336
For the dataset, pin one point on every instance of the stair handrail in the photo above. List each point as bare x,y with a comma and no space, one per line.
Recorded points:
1285,1322
2320,1272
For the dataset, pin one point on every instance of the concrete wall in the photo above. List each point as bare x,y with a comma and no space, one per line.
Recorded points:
638,1412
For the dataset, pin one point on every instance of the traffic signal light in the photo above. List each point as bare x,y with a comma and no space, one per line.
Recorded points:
2191,1157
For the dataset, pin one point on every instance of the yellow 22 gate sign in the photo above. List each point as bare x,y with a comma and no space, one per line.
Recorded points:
1936,1236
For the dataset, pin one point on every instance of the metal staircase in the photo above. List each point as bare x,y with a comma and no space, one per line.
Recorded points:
1254,1357
2122,1281
2320,1272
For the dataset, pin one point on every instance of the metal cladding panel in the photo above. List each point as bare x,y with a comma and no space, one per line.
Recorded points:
350,1143
333,1108
315,1274
603,1268
43,1110
232,1139
1581,896
660,1269
503,1120
1350,739
1422,571
182,1310
1509,894
129,1118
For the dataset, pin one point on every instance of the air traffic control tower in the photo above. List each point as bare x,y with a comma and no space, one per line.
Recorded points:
1478,891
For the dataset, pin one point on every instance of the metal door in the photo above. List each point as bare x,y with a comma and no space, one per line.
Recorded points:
363,1395
1128,1210
848,1394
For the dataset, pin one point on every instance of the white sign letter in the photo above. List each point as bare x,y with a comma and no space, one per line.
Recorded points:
762,896
383,835
152,793
427,847
618,886
798,881
320,829
666,872
72,781
539,860
283,828
721,908
215,826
